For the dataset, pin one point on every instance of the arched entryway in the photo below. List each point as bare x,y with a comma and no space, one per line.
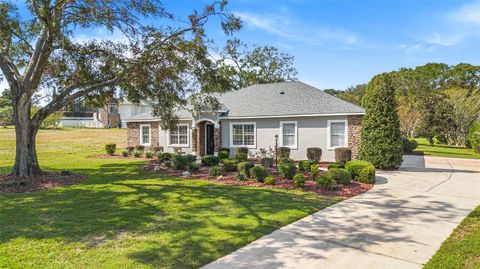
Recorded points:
206,137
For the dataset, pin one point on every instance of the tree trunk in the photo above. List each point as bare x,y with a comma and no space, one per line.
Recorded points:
26,162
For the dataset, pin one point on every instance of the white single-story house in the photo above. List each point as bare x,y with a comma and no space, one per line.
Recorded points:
301,115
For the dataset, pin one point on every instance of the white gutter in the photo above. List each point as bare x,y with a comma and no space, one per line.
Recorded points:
291,116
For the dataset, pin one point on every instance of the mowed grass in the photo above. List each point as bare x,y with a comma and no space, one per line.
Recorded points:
462,248
445,150
123,217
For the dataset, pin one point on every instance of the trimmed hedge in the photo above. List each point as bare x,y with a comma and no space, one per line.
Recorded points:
335,165
259,173
314,170
341,176
355,168
180,162
286,160
140,148
244,167
314,154
164,156
191,158
409,145
299,180
326,182
269,180
111,148
230,165
241,156
287,170
283,152
129,149
343,155
223,155
210,160
305,165
225,149
241,150
157,149
474,136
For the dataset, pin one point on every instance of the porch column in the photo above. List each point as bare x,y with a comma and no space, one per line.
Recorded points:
194,140
217,138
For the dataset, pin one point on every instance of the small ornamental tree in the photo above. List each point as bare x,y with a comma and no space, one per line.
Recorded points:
381,142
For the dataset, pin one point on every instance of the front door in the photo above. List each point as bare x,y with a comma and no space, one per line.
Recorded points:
209,141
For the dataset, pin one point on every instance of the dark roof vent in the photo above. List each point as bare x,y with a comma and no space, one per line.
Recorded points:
282,92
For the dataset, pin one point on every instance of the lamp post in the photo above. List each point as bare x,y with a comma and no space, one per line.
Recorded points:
276,148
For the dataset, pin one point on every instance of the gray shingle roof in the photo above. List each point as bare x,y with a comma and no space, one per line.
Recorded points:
284,98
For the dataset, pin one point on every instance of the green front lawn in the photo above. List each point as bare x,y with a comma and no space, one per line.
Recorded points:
445,150
122,217
462,248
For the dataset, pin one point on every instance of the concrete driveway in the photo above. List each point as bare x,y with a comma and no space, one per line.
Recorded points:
400,223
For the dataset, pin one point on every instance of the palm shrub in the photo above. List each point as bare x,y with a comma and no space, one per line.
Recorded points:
326,182
245,167
287,170
299,180
259,173
129,149
148,154
381,142
223,154
240,176
409,144
341,176
215,171
474,136
343,155
125,153
362,171
230,165
314,154
137,153
193,167
111,148
283,152
305,165
314,170
210,160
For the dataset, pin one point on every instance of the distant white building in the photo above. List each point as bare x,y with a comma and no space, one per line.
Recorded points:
129,110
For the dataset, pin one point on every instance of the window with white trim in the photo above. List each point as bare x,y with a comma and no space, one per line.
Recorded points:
145,134
242,134
288,134
179,136
338,134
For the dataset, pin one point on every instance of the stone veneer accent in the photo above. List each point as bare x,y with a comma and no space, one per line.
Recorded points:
133,133
217,138
354,134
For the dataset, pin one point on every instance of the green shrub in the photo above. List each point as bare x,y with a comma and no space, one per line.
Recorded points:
125,153
164,156
111,148
285,161
314,154
326,182
140,148
191,158
241,157
241,150
314,170
299,180
245,167
335,165
223,155
167,163
225,149
129,149
474,136
283,152
343,155
341,176
193,167
180,162
287,170
305,165
269,180
157,149
355,167
137,153
230,165
266,162
210,160
381,142
215,171
409,145
148,155
259,173
240,176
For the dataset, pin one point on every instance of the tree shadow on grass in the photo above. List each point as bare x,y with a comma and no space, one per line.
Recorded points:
176,223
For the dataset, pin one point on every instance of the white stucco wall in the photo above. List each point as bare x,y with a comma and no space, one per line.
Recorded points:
311,132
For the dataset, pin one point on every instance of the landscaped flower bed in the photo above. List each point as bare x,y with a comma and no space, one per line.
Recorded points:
46,180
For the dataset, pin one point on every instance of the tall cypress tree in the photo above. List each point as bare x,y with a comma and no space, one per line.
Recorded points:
381,141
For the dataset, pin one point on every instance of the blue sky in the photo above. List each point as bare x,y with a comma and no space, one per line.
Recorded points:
338,44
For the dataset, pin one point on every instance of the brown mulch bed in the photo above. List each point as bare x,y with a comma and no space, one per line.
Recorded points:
351,190
116,156
47,180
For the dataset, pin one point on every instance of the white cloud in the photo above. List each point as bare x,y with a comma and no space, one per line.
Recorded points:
286,28
468,13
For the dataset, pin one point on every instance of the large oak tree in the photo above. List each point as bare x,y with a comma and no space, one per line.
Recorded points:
162,57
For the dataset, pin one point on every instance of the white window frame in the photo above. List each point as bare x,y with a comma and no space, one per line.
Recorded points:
295,146
149,134
329,134
179,145
254,146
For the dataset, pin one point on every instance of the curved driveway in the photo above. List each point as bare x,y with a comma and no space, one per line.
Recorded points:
400,223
